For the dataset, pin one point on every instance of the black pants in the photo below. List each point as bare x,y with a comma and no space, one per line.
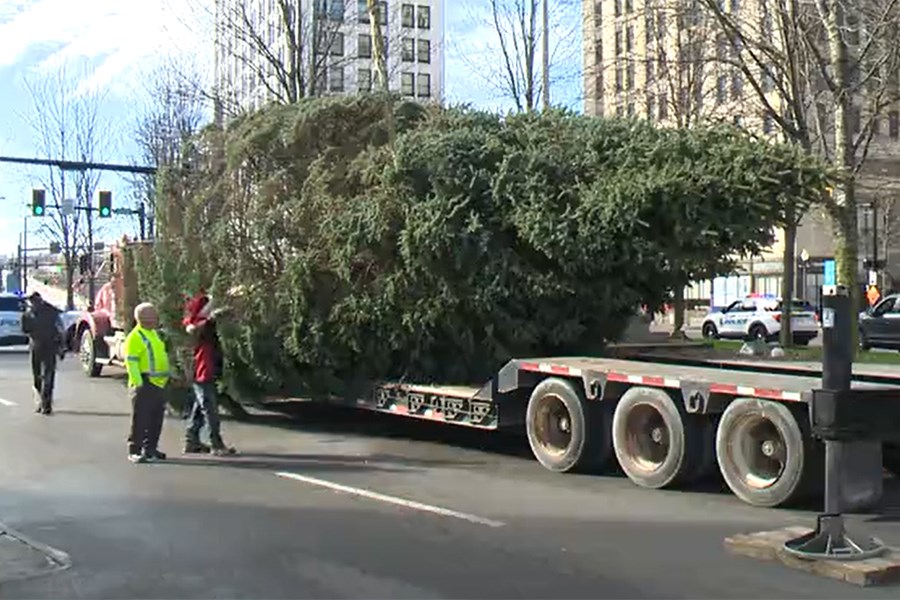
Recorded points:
148,411
43,371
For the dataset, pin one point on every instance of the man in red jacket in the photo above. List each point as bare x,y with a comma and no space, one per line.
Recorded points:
200,323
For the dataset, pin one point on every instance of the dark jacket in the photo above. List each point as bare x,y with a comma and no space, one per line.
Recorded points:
42,323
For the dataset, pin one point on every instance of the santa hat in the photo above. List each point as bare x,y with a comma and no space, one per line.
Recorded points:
194,310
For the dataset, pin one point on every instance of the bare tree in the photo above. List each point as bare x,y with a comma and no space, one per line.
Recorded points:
173,114
377,13
513,63
824,73
66,124
287,46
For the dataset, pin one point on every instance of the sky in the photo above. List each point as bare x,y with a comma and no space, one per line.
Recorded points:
105,48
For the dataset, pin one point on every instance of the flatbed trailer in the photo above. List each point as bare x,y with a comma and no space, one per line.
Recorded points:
665,424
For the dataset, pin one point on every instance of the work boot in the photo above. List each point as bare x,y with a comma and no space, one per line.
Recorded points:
196,448
224,451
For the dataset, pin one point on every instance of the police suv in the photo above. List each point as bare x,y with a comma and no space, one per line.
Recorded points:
12,307
758,316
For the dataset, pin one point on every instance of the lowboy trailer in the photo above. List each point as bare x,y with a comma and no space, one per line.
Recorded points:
664,424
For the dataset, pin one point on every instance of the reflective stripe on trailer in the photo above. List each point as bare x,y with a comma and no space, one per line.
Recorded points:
666,382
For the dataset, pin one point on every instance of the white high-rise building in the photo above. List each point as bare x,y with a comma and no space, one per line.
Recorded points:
282,50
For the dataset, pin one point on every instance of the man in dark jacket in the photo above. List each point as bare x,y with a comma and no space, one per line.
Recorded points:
200,323
42,323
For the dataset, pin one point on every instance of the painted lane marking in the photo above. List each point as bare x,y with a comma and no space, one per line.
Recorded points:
7,402
411,504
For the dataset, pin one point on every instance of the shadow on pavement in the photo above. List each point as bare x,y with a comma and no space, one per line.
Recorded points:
314,462
339,420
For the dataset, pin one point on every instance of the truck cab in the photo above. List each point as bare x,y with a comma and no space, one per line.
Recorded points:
101,330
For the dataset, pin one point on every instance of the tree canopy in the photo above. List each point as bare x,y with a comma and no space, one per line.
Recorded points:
458,242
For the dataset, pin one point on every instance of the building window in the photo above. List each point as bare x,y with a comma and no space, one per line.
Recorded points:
649,71
737,120
380,10
629,76
423,15
663,106
408,15
407,84
767,123
630,111
721,89
629,7
735,6
336,79
364,80
629,39
768,82
648,28
618,43
737,86
409,49
424,51
855,120
619,111
618,79
651,101
364,46
336,47
618,8
423,85
876,126
894,124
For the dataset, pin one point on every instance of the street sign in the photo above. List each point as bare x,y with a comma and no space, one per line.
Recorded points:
67,207
55,248
830,273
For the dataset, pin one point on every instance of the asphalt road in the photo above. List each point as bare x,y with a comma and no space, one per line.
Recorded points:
336,504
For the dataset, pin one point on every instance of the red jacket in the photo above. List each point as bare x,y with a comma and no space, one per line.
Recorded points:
208,360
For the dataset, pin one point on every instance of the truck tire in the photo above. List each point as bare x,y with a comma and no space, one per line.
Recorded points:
766,454
566,431
891,458
88,354
656,442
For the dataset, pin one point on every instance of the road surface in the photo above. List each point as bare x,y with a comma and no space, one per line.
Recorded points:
332,504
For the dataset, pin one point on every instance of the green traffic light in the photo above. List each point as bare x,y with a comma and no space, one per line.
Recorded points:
38,210
104,212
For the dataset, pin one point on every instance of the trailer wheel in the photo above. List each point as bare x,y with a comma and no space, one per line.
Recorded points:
764,455
88,354
656,442
567,432
891,458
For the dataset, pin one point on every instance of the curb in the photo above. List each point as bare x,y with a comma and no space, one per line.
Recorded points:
57,559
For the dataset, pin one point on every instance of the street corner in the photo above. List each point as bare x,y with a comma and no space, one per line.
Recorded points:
769,546
22,558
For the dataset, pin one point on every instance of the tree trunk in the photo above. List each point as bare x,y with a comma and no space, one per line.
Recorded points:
70,281
678,308
378,57
788,264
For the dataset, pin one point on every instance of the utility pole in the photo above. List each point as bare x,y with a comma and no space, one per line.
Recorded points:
546,55
24,285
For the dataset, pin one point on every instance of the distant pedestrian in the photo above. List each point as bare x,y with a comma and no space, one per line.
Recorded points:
200,322
42,323
147,362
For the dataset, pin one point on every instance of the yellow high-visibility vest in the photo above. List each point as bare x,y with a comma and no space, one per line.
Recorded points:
146,356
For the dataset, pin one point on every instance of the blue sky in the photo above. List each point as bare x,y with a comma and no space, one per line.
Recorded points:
106,46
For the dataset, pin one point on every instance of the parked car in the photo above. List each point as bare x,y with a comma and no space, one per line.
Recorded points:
758,316
879,325
12,307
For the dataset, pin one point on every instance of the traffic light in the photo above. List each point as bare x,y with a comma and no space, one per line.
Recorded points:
105,204
55,248
38,202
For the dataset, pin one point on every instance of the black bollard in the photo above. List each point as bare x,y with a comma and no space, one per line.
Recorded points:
830,540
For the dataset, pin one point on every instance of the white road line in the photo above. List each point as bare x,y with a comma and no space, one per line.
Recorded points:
437,510
7,402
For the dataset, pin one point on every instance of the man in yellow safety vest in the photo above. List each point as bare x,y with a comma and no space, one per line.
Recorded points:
147,362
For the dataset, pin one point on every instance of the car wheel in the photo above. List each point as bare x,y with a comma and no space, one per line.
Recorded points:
863,341
710,332
759,332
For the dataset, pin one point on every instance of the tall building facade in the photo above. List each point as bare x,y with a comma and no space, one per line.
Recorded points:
668,62
281,50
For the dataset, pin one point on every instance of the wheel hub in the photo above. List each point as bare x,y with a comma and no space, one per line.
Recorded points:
758,451
553,425
648,439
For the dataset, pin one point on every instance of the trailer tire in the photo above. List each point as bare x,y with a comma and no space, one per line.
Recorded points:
766,454
656,442
891,458
566,431
87,350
